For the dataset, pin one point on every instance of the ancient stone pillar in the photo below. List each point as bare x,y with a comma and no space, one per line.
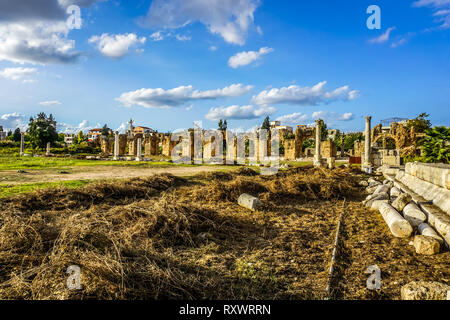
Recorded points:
317,155
116,145
22,143
367,163
139,149
47,153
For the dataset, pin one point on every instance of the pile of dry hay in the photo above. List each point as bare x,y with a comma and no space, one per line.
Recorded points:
167,237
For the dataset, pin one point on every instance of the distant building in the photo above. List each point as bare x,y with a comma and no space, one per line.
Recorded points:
141,129
94,133
68,139
3,134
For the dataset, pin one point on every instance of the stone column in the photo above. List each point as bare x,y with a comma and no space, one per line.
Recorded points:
116,146
343,145
367,163
139,149
47,153
317,155
22,143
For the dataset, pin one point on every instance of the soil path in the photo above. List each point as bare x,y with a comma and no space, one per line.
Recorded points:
12,177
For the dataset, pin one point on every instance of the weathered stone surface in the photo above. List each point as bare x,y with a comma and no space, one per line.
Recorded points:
424,290
374,197
426,230
397,224
249,202
413,214
401,201
395,192
371,189
431,192
438,220
426,245
437,174
382,189
364,183
376,204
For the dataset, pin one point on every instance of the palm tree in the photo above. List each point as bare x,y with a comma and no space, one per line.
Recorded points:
436,146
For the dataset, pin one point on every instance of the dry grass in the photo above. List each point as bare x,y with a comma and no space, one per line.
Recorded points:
167,237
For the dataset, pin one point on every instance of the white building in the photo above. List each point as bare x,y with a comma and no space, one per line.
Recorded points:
2,134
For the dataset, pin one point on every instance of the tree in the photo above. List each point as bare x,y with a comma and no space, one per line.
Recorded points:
420,123
436,146
266,124
41,131
80,138
9,133
16,135
105,130
222,125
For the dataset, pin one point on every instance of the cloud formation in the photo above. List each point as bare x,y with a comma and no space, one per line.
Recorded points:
11,121
305,96
116,46
384,37
16,74
293,118
160,98
231,19
50,103
443,10
239,112
244,58
36,31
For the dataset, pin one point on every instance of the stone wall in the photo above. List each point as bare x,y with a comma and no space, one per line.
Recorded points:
328,149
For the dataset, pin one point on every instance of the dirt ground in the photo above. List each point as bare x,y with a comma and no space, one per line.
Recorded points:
12,177
167,237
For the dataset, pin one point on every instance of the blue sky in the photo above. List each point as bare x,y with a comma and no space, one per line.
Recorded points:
169,63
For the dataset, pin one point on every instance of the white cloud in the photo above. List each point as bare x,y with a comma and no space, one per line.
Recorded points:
50,103
293,118
305,96
347,116
11,121
443,15
230,19
160,98
384,37
68,128
36,31
399,42
213,48
244,58
157,36
434,3
239,112
37,42
23,74
330,116
183,37
116,46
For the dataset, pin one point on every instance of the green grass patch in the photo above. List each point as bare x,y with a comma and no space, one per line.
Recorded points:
8,190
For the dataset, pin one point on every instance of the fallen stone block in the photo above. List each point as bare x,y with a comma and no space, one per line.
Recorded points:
376,204
431,192
439,220
414,215
397,224
424,290
426,245
373,197
395,192
426,230
250,202
401,201
364,183
371,189
382,189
